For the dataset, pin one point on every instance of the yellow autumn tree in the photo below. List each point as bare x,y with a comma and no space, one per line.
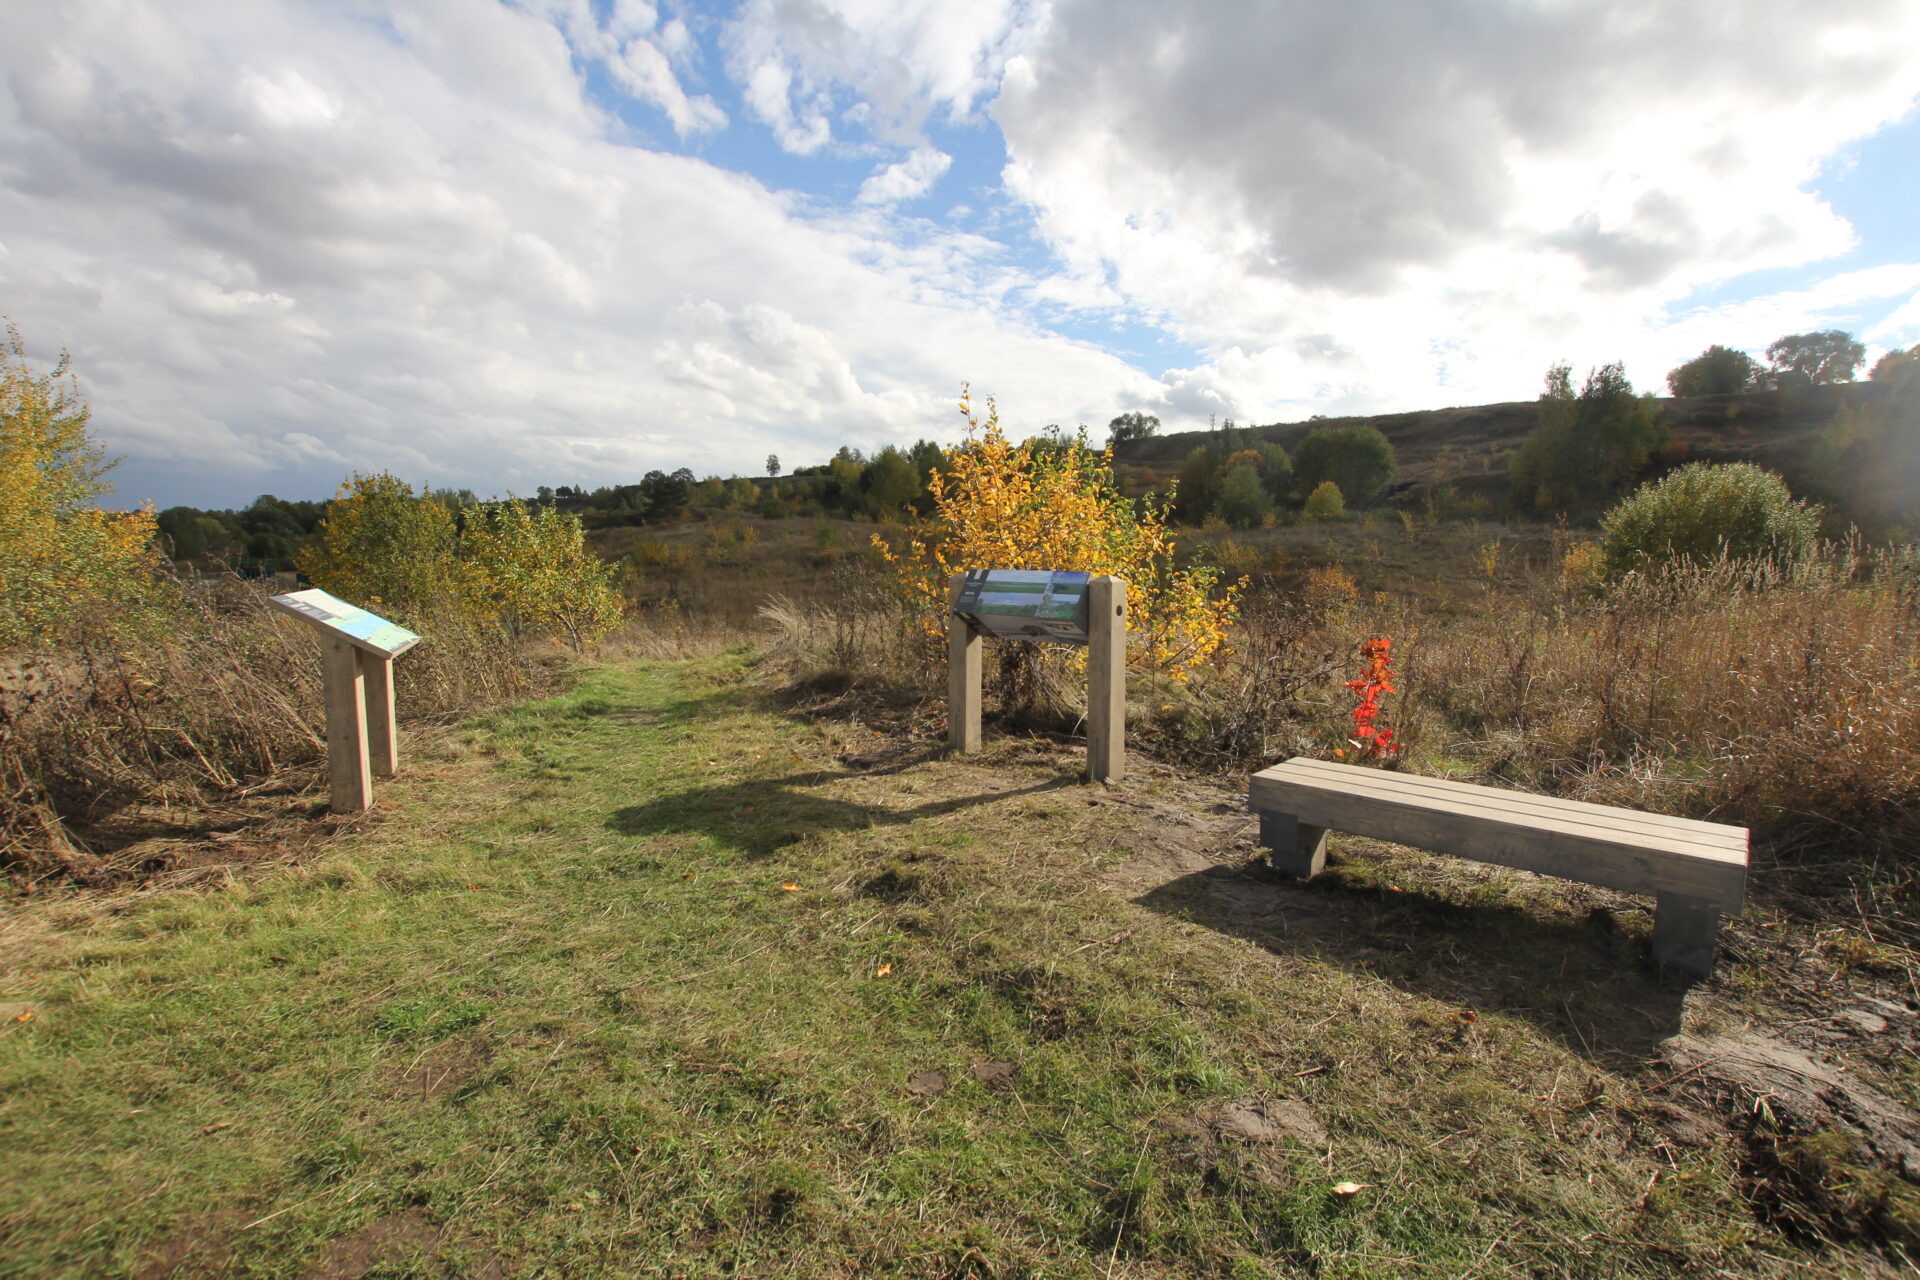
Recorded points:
383,548
1052,504
62,558
534,570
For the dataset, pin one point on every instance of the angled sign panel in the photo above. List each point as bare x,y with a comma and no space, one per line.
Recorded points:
364,630
1026,604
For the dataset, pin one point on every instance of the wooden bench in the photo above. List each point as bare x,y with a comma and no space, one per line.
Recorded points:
1694,870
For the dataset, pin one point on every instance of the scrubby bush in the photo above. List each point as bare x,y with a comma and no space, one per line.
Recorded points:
1357,458
1705,511
384,548
1244,502
1587,447
1054,505
533,572
62,559
1324,503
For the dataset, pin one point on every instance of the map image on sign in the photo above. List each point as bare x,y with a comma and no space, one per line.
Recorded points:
368,631
1026,604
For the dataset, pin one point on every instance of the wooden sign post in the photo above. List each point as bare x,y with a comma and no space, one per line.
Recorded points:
358,649
1058,606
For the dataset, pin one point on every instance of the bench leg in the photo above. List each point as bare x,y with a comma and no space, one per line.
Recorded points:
1298,849
1684,932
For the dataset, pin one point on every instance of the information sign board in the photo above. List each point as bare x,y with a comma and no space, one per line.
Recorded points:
1026,604
364,630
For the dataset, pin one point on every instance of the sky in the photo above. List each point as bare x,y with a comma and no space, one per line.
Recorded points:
498,244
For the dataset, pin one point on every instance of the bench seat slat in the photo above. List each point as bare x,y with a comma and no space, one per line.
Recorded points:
1552,840
1687,836
1694,829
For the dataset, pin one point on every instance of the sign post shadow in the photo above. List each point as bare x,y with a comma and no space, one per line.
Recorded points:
1054,606
357,652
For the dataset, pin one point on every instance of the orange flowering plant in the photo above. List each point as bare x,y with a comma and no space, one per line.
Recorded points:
1052,504
1369,740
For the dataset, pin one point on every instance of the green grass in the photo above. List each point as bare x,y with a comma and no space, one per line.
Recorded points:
562,1008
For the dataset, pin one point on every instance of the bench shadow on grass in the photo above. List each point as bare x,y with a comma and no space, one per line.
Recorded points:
760,816
1588,983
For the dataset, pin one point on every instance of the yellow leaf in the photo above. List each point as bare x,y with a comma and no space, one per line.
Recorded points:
25,1015
883,971
791,887
1350,1188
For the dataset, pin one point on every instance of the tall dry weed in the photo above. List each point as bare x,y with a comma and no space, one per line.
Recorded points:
1785,699
212,696
864,637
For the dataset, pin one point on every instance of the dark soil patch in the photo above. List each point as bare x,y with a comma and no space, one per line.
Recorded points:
200,1246
1259,1120
443,1070
405,1240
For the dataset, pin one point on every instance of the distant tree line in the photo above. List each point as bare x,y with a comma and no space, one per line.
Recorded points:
1593,445
1246,482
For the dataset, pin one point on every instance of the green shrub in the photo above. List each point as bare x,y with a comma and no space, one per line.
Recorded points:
1357,458
1325,503
1244,502
1704,511
1587,447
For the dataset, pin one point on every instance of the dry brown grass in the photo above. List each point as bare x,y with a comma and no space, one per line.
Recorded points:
1786,702
159,727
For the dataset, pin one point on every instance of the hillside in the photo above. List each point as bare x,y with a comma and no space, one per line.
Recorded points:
1467,447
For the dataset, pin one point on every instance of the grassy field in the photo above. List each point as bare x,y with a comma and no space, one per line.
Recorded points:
665,977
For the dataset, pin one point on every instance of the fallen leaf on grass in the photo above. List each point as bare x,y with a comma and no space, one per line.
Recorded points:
791,887
215,1128
926,1084
25,1015
1350,1188
883,971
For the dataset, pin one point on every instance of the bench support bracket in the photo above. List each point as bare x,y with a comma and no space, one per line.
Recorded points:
1684,930
1298,849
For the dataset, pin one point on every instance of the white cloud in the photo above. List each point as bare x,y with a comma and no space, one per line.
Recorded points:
452,270
907,180
900,60
646,71
1453,198
282,235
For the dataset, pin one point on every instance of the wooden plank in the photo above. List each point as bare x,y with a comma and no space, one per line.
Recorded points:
1725,843
1708,833
1106,678
1630,861
383,735
963,675
1542,821
349,773
1704,831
